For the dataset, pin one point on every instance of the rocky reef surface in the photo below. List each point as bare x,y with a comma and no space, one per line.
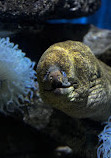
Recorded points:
27,12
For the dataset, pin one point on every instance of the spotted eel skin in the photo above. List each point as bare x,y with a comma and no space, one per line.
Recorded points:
74,81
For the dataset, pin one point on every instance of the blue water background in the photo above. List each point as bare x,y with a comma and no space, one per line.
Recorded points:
101,18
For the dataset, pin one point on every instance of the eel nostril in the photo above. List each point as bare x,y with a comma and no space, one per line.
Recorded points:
50,78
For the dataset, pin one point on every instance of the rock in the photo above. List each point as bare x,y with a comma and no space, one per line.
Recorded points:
79,135
38,115
99,40
29,12
18,140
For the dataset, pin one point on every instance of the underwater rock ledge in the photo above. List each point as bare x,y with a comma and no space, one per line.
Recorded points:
26,11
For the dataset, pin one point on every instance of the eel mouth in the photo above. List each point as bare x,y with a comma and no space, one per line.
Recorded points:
58,85
62,88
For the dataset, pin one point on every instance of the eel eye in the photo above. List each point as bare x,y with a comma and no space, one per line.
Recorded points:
50,78
64,74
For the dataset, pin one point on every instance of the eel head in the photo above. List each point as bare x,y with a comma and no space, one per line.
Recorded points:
70,79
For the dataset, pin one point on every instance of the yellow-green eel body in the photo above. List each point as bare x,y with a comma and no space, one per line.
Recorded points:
74,81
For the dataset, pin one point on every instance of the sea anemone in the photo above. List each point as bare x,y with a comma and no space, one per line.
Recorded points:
104,150
17,76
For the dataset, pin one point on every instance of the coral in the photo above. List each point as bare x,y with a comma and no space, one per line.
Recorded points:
17,76
104,149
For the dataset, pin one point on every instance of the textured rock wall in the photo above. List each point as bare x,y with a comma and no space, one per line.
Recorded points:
26,11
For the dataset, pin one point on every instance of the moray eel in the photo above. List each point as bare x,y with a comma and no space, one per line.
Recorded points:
74,81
